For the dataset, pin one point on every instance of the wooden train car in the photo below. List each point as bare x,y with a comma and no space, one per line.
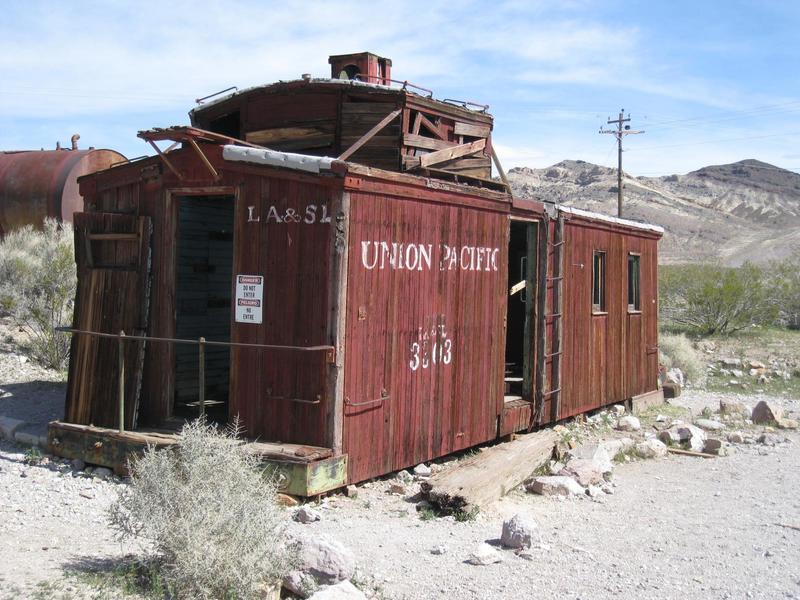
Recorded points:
367,319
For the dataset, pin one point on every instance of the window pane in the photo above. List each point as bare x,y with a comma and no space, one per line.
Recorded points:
633,283
598,281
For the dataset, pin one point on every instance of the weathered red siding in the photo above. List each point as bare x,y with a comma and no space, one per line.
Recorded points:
445,393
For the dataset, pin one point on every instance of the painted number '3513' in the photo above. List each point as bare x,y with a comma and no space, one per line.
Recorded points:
432,346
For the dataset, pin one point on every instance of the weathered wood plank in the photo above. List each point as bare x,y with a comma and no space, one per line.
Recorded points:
420,141
440,156
370,134
489,475
282,134
472,129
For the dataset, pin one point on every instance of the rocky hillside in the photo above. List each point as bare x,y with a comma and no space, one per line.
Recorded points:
747,210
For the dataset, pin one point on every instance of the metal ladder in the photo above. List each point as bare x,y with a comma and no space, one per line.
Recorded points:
555,315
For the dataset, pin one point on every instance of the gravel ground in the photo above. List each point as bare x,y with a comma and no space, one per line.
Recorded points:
679,527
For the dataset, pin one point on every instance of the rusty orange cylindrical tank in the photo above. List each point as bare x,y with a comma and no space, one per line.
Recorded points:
37,184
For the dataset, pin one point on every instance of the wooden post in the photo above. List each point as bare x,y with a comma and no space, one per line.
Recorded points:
121,354
201,377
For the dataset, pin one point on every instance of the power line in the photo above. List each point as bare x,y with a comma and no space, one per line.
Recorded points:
619,133
739,139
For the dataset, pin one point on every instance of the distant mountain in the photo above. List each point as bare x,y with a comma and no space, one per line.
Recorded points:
748,210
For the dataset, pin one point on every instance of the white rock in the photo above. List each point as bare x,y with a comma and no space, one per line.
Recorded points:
629,423
662,418
584,471
484,555
618,410
422,470
594,491
614,447
439,550
102,472
555,486
326,559
343,590
709,424
669,437
404,477
731,362
651,449
598,453
675,375
306,514
695,436
737,373
518,532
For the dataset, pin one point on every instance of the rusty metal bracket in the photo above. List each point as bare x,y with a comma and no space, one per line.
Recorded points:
384,396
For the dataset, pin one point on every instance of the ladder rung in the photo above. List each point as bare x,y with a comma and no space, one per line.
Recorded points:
561,243
553,354
555,391
553,315
555,278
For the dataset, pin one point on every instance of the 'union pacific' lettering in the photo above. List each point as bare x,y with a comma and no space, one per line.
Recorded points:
418,257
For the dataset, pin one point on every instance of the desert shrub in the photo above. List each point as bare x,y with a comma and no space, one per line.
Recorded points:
37,287
676,350
209,511
708,299
785,289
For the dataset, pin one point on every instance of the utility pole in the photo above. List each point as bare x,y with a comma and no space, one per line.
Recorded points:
619,133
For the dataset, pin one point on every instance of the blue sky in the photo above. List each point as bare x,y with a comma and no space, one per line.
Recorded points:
710,82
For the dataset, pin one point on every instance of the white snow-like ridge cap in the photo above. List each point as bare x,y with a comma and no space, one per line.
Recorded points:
273,158
609,219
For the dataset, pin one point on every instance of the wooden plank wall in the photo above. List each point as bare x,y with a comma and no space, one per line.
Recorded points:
112,296
607,358
290,245
396,315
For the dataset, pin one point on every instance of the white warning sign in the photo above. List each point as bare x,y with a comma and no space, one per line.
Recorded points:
249,298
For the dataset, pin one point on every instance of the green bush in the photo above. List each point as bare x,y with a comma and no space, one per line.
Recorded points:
785,288
209,511
37,287
708,299
676,350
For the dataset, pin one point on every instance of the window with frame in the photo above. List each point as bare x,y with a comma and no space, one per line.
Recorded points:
634,281
599,282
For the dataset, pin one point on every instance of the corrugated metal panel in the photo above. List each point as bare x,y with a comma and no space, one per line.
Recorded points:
426,331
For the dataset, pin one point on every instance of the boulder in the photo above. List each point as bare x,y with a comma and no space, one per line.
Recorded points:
325,559
556,485
765,412
651,449
484,555
669,437
9,426
731,362
518,532
713,446
736,437
102,472
737,373
584,471
598,453
784,423
730,407
709,424
344,590
618,410
398,488
615,446
694,436
306,514
422,470
629,423
299,583
768,439
675,375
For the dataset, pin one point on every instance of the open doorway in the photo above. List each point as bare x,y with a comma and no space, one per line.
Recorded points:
203,302
521,283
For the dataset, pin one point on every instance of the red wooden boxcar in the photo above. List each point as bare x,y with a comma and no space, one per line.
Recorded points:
377,319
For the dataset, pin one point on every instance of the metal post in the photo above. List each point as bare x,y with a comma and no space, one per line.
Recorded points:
201,377
121,353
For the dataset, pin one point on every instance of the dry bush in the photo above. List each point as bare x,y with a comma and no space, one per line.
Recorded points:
37,287
209,510
677,351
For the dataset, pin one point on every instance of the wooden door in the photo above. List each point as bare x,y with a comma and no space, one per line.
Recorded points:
113,255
